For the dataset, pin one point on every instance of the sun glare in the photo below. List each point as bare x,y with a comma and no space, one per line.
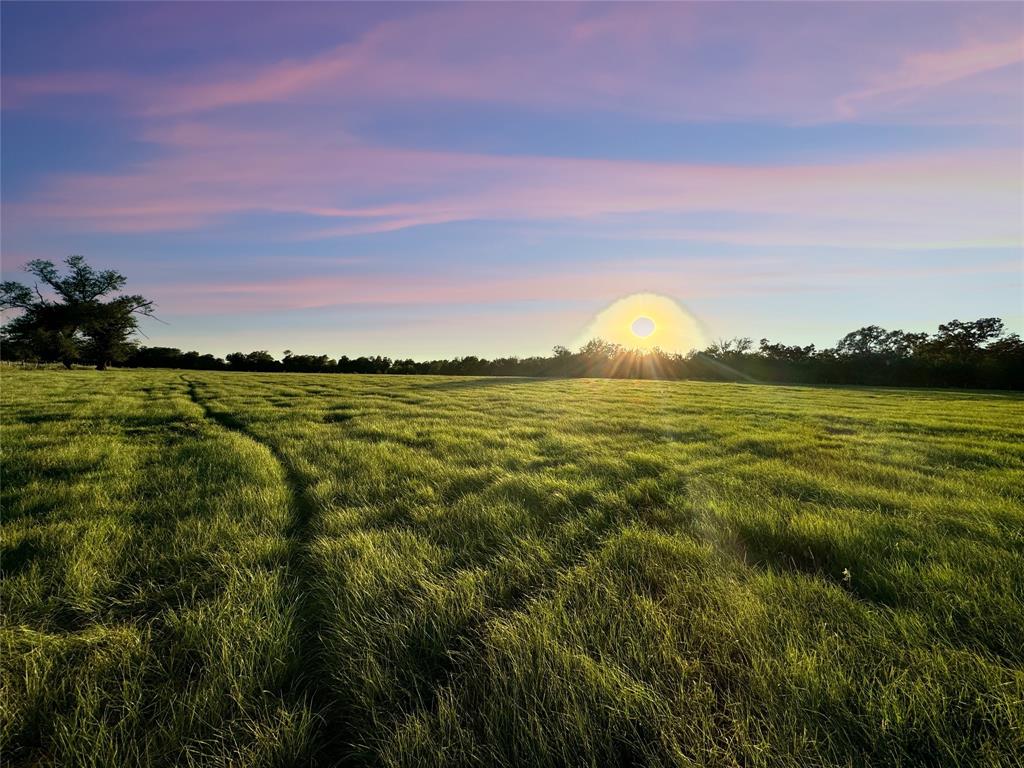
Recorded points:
643,327
644,321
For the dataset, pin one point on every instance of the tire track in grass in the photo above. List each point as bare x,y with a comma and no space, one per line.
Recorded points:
330,748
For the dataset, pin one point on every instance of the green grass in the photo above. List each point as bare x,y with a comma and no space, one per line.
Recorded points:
246,569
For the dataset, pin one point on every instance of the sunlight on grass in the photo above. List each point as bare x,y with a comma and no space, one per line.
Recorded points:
254,569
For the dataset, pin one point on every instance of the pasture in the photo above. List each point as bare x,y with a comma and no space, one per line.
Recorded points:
269,569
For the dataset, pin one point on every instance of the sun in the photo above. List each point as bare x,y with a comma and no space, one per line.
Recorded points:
645,321
643,327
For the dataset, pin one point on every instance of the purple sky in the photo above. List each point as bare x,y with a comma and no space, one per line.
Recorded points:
437,179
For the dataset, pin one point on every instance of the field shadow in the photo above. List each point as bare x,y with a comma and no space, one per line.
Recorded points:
40,418
304,684
818,558
337,417
17,558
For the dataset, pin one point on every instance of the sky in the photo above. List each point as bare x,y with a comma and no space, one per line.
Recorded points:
431,180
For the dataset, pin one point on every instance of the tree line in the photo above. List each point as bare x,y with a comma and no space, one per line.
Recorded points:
976,354
75,325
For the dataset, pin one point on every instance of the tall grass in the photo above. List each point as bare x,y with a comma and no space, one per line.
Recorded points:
148,602
253,569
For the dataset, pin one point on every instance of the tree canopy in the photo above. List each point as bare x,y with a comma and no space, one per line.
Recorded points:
71,316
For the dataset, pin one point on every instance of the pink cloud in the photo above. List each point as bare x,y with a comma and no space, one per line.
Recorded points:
21,90
270,84
692,279
611,57
592,284
617,58
652,62
310,293
927,70
950,198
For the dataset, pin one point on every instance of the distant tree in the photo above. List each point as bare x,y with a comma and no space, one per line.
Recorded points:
599,348
155,357
873,340
782,352
962,340
728,348
260,360
309,363
1003,364
960,353
1011,346
73,322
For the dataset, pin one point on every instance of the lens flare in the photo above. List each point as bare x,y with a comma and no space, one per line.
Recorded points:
644,321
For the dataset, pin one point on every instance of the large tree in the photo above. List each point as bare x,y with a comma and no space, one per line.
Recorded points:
74,316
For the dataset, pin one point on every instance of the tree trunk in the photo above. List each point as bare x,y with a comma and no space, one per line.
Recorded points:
67,363
101,365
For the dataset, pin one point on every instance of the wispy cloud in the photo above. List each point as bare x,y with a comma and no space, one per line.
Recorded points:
274,83
666,63
956,197
694,278
927,70
22,90
554,285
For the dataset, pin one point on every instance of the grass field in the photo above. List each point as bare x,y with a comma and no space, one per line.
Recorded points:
246,569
